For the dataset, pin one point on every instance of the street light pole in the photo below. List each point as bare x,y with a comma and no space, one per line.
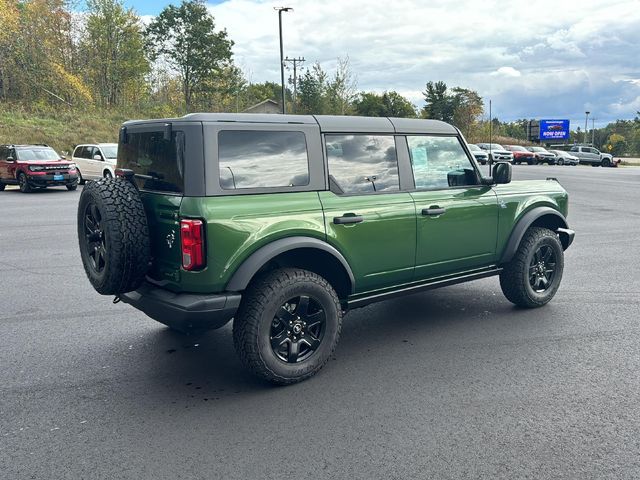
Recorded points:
586,126
280,10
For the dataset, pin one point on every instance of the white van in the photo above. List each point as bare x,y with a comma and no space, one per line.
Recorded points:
95,160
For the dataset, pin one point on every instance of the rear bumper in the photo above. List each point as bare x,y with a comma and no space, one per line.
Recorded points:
186,312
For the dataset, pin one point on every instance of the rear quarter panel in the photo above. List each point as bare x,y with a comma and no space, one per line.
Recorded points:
238,225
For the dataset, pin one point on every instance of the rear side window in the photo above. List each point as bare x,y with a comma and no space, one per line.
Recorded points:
363,164
157,162
262,159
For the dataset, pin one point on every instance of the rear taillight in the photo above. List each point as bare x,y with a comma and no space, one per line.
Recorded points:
192,244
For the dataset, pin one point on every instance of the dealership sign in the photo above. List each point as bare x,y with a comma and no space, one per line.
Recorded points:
554,129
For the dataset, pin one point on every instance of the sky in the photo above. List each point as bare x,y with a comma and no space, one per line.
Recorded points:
533,59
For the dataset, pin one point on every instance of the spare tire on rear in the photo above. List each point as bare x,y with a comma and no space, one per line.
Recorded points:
113,235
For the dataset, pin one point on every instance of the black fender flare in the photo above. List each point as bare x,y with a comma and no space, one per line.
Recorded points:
524,223
257,259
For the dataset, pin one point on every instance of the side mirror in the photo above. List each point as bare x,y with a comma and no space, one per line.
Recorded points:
11,159
64,157
502,173
97,157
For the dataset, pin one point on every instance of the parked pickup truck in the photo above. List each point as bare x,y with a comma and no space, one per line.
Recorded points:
593,156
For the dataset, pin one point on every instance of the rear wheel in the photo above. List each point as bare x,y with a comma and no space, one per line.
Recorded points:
531,279
24,183
288,325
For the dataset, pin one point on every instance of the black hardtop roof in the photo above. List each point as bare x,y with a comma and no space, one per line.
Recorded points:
327,123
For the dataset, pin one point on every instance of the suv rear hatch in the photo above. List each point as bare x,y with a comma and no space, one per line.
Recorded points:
155,154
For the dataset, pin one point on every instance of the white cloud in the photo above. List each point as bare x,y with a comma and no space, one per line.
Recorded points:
507,72
531,58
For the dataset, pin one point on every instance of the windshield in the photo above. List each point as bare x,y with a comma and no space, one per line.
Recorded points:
474,148
496,146
110,151
37,154
517,148
539,149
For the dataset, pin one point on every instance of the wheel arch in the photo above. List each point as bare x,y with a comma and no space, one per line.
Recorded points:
546,217
301,252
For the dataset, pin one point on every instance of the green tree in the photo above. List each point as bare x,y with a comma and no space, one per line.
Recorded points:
341,90
389,104
185,36
312,89
467,108
616,144
115,63
439,105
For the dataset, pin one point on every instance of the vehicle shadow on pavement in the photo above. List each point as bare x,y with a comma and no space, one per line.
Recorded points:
206,364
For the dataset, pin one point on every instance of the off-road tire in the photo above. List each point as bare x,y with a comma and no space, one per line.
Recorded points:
252,324
24,183
72,187
125,232
514,279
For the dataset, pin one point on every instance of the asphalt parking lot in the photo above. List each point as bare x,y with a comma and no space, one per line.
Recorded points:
454,383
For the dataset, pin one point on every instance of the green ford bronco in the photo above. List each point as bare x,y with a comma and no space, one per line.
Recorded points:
284,222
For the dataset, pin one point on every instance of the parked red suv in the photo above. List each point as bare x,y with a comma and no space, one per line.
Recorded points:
35,166
521,154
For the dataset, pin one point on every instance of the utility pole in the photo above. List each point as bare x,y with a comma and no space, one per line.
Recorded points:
593,132
586,126
280,10
490,138
295,61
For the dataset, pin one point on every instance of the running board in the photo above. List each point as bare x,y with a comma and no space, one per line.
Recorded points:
421,287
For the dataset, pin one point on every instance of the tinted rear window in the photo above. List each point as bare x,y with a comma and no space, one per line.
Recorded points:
158,163
262,159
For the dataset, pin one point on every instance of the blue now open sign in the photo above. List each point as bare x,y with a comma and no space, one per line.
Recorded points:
554,129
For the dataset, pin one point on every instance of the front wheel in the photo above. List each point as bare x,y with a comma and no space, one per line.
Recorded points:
560,162
107,174
288,325
72,186
606,162
532,277
2,187
24,183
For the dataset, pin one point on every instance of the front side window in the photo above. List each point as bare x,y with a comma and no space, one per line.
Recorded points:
158,162
362,164
439,162
262,159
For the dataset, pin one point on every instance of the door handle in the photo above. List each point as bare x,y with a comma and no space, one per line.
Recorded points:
433,211
347,219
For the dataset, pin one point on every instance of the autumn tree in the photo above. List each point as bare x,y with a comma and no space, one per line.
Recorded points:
389,104
114,61
185,36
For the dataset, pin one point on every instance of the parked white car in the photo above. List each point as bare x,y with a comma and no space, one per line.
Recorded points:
565,158
95,160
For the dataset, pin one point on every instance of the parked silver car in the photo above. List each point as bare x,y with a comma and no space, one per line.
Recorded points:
565,158
480,155
593,156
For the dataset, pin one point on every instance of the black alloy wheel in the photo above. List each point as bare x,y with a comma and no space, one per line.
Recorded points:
297,329
94,238
542,268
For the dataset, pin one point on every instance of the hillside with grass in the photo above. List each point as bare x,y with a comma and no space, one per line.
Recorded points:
62,129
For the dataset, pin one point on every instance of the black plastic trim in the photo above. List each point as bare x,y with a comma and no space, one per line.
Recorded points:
255,262
423,286
186,312
521,227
